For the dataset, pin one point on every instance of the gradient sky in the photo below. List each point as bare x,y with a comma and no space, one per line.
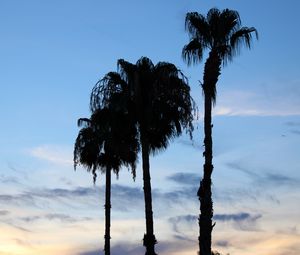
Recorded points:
51,55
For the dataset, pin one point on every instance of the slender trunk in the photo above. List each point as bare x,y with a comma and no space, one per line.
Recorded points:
211,74
107,211
204,193
149,240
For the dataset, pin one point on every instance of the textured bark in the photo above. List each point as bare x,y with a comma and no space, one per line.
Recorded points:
149,240
211,74
107,211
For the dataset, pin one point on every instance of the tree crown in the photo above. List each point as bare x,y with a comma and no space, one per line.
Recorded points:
219,31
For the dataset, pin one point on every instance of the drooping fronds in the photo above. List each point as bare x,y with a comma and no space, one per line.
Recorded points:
192,53
157,98
86,150
111,85
108,141
242,37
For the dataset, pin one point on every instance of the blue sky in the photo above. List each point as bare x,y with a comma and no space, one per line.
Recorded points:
53,52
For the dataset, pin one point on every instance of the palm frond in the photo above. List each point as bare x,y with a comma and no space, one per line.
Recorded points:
141,98
242,37
192,53
86,150
197,27
83,122
103,90
230,22
144,63
105,144
126,70
213,18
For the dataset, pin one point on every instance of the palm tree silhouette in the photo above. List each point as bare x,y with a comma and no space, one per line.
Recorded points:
159,100
106,142
221,33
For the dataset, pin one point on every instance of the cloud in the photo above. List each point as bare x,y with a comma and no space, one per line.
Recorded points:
296,132
16,226
162,247
185,178
178,196
277,244
279,179
182,220
93,252
289,231
266,178
54,216
242,221
121,248
56,193
195,145
9,180
18,199
22,242
4,212
236,195
54,154
292,250
237,217
124,198
222,243
263,100
183,224
295,127
293,123
41,198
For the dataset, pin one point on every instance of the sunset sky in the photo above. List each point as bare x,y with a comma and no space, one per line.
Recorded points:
51,55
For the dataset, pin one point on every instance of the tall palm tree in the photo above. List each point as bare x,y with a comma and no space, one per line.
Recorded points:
221,33
106,142
159,101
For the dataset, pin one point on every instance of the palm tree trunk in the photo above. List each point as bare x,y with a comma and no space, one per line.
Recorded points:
149,240
107,211
204,192
211,74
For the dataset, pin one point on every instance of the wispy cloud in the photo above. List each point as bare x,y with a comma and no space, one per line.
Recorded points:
4,212
54,216
21,242
163,247
183,222
17,199
237,217
41,198
15,225
124,197
294,127
293,123
264,177
264,100
53,153
9,180
191,143
221,243
241,221
190,179
294,131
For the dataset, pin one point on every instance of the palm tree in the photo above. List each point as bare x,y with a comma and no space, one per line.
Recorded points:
158,98
106,142
221,33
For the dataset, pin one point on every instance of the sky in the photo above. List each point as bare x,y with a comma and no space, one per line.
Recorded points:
51,55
